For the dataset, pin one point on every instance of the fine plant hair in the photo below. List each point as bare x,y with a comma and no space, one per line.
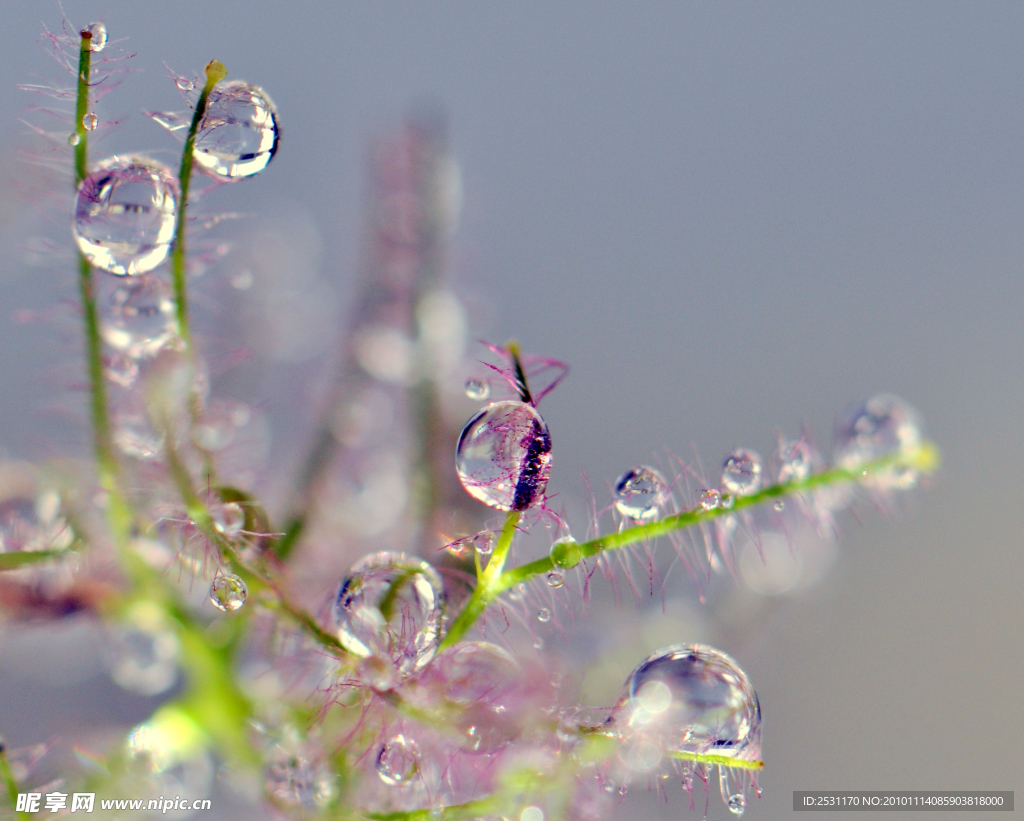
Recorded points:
414,684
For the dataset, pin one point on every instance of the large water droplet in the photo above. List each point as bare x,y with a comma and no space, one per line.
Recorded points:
137,315
124,215
391,606
504,456
143,659
882,426
90,121
795,461
228,592
489,692
565,552
555,579
640,493
692,699
741,472
477,389
398,760
238,134
295,780
98,37
543,615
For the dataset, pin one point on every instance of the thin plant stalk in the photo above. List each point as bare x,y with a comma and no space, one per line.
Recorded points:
215,72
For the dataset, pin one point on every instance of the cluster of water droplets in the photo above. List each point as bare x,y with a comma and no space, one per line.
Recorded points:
503,457
389,611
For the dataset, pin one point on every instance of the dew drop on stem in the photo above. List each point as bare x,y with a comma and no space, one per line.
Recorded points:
640,493
238,135
228,592
741,472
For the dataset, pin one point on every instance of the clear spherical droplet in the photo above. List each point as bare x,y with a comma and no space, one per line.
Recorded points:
640,493
710,499
90,121
737,803
238,135
391,606
478,389
779,505
543,615
565,552
137,316
398,760
882,426
795,460
484,543
504,456
555,579
228,592
73,138
124,215
228,519
741,472
98,37
692,699
143,660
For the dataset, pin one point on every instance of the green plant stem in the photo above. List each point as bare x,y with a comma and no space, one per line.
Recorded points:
215,72
82,107
10,783
486,586
924,459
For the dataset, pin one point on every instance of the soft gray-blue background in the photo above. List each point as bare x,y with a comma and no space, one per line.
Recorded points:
729,218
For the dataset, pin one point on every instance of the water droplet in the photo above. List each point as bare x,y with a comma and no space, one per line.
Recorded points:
228,592
242,280
504,456
555,579
98,34
398,760
489,688
735,800
184,84
30,520
90,121
238,135
741,472
478,389
391,605
640,493
737,803
531,814
143,659
137,316
692,699
543,615
728,502
295,780
779,505
565,552
882,426
795,460
228,519
73,138
124,215
484,543
710,499
538,643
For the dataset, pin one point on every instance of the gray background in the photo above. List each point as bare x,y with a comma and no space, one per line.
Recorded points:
729,219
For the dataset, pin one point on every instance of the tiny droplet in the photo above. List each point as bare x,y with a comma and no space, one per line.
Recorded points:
543,615
555,579
228,592
477,389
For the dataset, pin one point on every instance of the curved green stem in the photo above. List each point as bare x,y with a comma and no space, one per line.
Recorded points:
82,106
487,586
215,72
